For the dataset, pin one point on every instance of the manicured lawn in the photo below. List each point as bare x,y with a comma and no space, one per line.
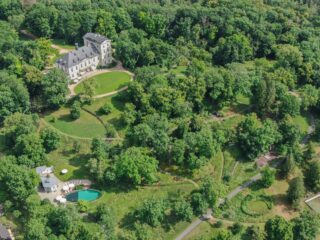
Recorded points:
114,117
86,126
63,44
107,82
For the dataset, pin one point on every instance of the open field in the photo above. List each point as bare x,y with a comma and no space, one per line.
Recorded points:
107,82
86,126
62,44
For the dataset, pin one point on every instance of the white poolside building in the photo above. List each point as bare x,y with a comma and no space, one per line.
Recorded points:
48,181
97,51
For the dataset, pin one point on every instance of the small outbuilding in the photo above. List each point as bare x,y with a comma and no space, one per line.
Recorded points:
4,233
49,183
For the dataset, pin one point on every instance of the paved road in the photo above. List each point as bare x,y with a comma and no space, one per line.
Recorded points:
239,189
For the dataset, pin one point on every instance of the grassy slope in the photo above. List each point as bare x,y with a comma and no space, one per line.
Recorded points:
114,117
107,82
86,126
124,202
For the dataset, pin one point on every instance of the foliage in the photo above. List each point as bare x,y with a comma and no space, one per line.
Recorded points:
136,167
152,212
248,201
75,110
278,228
256,138
55,89
268,177
306,226
313,176
296,191
50,139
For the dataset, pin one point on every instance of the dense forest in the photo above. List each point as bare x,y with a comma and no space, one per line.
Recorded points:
266,51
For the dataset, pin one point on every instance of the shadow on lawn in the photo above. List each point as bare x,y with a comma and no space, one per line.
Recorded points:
66,118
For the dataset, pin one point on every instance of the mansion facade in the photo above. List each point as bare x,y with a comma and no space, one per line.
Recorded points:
97,51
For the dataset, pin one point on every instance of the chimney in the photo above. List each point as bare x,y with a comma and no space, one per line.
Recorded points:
77,46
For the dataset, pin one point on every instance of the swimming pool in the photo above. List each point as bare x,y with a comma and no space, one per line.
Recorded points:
86,195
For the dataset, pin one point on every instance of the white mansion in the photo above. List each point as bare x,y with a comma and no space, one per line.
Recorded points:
96,52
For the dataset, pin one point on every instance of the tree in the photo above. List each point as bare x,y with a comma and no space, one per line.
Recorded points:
60,220
288,56
29,150
75,110
136,167
55,88
306,226
18,181
309,96
313,176
89,89
152,212
254,233
254,137
296,191
83,206
99,149
18,124
198,203
264,96
235,48
221,86
41,20
289,165
105,217
223,235
182,210
278,228
268,177
14,96
105,109
50,139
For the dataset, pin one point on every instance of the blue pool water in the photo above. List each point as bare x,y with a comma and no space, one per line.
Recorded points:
86,195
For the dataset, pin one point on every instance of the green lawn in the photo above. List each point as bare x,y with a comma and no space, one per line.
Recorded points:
87,126
302,122
107,82
65,158
63,44
114,117
124,202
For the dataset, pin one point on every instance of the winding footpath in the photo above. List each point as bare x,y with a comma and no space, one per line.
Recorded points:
236,191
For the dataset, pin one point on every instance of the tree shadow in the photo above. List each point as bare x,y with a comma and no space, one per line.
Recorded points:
66,118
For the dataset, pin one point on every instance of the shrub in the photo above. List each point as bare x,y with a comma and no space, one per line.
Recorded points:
75,110
105,109
111,132
236,228
245,205
218,224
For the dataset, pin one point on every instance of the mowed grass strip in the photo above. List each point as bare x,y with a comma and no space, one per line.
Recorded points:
107,82
86,126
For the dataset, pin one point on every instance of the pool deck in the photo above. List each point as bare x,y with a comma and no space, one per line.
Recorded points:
51,196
